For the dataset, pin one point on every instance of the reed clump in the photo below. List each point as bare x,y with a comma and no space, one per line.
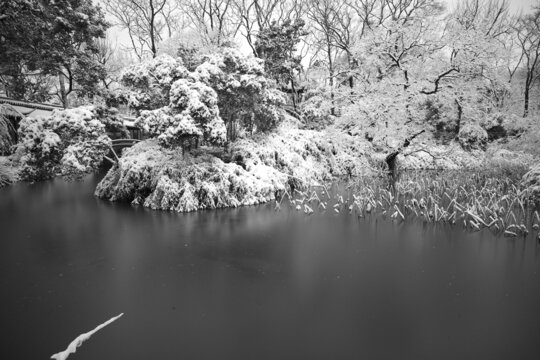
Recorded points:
475,200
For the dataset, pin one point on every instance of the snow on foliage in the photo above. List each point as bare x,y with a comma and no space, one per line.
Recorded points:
261,168
146,85
174,107
192,112
531,182
245,94
114,124
161,178
472,136
162,70
69,142
450,157
180,107
191,108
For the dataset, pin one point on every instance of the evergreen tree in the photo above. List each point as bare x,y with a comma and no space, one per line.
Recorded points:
41,40
277,46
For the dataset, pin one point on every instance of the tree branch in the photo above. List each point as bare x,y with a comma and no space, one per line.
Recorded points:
439,78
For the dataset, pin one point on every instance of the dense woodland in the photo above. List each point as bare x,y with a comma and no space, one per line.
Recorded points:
336,53
419,81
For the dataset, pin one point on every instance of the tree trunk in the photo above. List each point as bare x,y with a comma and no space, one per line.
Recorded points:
351,78
391,162
63,92
152,31
392,157
293,89
526,95
231,131
459,115
331,71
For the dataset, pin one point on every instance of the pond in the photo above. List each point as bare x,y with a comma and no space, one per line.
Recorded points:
255,283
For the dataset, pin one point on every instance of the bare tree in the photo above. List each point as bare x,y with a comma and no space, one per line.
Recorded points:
146,21
213,19
490,17
255,15
111,59
324,15
366,12
528,35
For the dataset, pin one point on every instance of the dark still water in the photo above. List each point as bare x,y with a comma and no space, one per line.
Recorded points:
252,283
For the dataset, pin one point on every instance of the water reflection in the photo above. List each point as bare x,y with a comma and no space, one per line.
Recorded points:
255,283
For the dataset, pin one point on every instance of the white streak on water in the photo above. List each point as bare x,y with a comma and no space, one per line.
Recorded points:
72,348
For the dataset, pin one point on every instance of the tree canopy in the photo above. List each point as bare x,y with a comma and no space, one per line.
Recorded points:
41,41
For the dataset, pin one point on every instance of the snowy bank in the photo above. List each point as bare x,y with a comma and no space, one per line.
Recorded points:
256,171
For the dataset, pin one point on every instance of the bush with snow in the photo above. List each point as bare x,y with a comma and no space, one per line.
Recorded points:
69,142
472,136
183,108
173,106
114,125
192,113
146,85
531,183
316,108
245,94
261,168
159,178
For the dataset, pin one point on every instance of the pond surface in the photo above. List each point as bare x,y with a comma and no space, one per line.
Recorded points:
252,283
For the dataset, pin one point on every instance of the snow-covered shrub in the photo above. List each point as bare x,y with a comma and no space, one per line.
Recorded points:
502,125
441,113
114,125
472,136
69,142
316,109
158,178
261,167
531,183
528,140
162,70
146,85
177,105
84,156
192,113
42,150
267,113
245,94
